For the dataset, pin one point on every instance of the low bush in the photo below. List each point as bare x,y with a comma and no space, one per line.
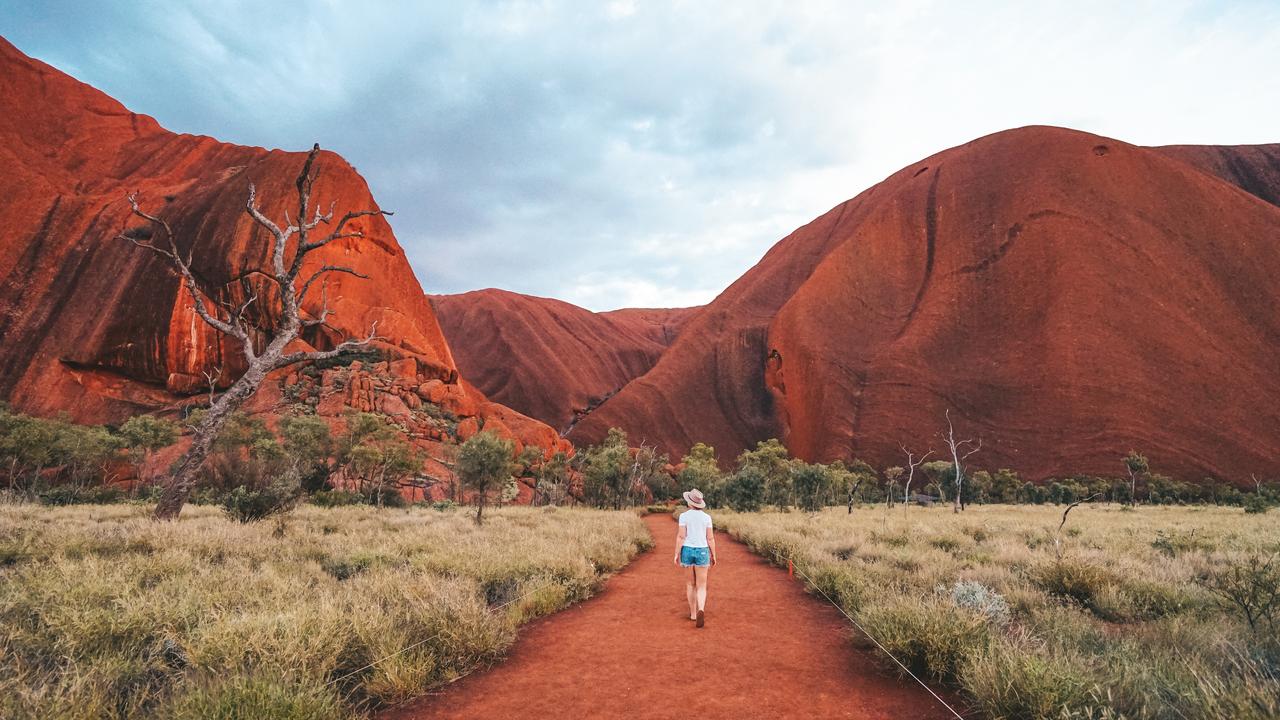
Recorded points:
979,598
929,636
1250,587
77,495
250,505
1074,580
337,498
1256,504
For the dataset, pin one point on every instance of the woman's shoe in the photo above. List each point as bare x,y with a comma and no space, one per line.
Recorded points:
702,618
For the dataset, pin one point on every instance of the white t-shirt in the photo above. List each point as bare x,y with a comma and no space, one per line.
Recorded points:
695,524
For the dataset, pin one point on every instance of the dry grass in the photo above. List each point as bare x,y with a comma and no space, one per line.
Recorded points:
106,614
1108,619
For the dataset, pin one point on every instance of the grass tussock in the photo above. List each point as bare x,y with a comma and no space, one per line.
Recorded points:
107,614
1148,614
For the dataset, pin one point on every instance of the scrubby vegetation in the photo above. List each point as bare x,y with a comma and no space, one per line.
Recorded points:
105,613
1153,613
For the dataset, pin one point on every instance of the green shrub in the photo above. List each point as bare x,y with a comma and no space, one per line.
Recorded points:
1072,580
1255,504
973,595
337,498
72,495
946,543
744,491
246,505
1175,543
1251,588
929,636
346,568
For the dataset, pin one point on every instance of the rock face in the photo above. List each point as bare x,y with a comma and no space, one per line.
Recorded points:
95,327
549,359
1066,296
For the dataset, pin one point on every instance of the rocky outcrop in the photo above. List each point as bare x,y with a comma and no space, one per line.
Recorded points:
96,328
1066,296
549,359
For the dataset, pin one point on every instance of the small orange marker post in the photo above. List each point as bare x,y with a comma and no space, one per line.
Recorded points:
791,570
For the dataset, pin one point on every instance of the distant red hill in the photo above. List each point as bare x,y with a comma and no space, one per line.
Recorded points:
1066,296
549,359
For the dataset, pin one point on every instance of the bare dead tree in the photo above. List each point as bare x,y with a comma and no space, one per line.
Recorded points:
213,377
960,450
262,357
912,463
1057,535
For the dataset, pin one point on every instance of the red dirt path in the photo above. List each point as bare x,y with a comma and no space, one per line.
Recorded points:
768,650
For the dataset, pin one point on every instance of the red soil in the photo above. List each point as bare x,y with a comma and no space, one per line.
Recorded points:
768,650
95,327
1066,296
547,358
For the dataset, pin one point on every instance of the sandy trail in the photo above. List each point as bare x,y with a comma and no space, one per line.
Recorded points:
768,650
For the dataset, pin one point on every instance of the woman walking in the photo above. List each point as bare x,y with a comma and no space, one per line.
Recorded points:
696,550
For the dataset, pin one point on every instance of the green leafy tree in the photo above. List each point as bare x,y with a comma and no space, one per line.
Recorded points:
941,475
892,479
848,480
606,477
1137,466
143,435
811,484
771,459
702,471
552,479
744,491
1004,486
484,465
309,444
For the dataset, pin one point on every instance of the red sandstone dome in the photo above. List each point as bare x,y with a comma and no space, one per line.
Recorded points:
1066,296
97,328
549,359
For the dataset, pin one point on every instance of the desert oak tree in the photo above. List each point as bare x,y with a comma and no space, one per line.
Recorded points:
290,245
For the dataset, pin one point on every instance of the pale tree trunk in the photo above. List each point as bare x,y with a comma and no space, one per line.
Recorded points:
912,463
187,471
960,450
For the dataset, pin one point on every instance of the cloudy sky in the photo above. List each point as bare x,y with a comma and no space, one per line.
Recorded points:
637,153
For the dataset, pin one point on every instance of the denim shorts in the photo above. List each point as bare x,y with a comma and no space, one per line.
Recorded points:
695,556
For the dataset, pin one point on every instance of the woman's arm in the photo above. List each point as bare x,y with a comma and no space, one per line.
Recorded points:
680,535
711,543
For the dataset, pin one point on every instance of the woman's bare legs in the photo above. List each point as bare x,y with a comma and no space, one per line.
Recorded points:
691,593
700,578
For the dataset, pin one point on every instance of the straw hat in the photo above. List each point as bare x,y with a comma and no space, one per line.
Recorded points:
694,498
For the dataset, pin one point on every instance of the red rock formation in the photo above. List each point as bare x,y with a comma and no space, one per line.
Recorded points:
547,358
1252,168
1066,296
97,328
